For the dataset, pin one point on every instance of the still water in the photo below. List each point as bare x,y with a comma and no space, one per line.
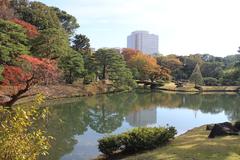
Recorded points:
77,124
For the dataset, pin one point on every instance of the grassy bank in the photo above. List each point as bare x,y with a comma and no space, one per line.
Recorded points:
194,145
191,88
61,90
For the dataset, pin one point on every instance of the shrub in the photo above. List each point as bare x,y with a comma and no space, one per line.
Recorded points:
89,78
136,140
210,81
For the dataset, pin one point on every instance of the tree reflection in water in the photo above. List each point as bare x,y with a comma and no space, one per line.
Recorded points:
106,113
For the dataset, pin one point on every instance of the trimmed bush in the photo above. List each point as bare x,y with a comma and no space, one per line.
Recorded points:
136,140
210,81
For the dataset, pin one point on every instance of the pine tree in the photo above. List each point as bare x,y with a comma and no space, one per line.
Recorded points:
196,76
13,42
112,66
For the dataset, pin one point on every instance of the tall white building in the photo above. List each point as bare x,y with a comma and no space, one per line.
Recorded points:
143,41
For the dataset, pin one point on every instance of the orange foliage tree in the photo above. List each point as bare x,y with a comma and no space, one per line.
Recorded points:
128,53
145,67
30,72
32,31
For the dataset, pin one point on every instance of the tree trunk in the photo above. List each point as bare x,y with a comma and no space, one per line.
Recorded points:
104,72
17,96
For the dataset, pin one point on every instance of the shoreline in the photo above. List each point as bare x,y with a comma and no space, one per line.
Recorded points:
201,89
55,92
193,144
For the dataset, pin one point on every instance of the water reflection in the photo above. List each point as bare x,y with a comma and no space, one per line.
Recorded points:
84,120
142,117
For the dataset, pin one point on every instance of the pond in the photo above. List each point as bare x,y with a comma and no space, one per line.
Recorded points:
78,123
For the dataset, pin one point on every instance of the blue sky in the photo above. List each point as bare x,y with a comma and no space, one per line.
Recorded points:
183,26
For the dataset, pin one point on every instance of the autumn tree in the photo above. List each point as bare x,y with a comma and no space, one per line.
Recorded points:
13,42
72,65
128,53
171,62
145,67
68,22
32,30
6,12
51,43
21,134
27,73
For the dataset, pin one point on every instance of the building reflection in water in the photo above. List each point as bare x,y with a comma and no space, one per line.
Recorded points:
143,117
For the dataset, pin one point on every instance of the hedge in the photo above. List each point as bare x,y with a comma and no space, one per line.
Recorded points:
136,140
210,81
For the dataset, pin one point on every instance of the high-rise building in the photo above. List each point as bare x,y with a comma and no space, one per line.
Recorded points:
143,41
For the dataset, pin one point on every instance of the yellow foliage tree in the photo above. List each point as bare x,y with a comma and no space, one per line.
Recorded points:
22,135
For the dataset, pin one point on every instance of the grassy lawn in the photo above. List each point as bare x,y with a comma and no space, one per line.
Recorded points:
194,145
186,88
220,88
189,87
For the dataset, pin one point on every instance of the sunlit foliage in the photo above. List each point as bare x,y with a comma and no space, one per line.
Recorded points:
22,135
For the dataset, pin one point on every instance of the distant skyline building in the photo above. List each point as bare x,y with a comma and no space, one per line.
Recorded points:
143,41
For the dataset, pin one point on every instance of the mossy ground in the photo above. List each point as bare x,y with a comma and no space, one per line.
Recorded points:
195,145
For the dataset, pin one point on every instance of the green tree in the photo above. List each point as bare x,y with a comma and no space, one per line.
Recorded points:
196,76
37,14
72,65
1,71
13,41
91,68
112,66
68,22
212,69
189,63
19,6
230,60
231,76
81,43
51,43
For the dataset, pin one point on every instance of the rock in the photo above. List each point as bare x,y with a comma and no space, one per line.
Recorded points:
223,129
237,125
209,127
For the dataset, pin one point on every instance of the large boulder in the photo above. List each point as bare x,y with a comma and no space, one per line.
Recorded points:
223,129
237,125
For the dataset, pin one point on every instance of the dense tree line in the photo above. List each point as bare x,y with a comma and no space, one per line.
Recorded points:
214,70
38,45
47,36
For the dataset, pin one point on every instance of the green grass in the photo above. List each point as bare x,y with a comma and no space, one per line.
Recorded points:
194,145
220,88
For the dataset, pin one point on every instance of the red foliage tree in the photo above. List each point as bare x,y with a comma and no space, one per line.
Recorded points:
31,29
22,78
